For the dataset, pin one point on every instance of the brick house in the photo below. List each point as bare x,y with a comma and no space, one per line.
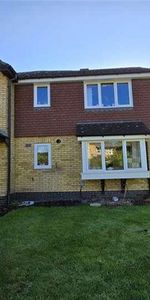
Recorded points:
74,135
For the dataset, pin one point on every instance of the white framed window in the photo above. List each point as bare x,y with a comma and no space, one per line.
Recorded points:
42,156
109,158
41,95
108,94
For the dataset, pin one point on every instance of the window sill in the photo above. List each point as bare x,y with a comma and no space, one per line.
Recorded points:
42,107
95,109
115,175
42,168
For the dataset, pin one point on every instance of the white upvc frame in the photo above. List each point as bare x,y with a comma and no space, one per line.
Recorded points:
114,82
35,94
102,173
113,137
36,166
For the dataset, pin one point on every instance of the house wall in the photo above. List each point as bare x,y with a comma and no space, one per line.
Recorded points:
67,109
66,168
4,127
46,125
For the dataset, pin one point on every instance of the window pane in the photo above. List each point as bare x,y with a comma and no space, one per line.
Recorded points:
107,91
94,156
42,95
123,93
113,155
42,155
133,154
92,94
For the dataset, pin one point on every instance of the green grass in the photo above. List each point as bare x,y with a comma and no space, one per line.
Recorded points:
70,253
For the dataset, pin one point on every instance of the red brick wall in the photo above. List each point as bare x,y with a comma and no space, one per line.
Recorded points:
67,109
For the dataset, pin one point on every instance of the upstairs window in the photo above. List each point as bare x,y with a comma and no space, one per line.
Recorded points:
123,93
41,95
92,95
108,95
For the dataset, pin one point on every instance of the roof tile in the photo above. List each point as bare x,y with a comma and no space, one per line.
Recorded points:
81,72
111,128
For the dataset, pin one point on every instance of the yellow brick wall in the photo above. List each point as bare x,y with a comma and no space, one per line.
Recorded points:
12,143
3,102
66,165
114,185
66,168
3,169
3,127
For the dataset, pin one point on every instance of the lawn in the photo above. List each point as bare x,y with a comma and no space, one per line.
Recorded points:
80,252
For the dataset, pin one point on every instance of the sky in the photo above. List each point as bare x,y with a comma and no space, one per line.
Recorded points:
61,35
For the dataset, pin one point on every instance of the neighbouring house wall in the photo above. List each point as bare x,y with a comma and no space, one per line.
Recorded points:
3,103
4,127
12,143
3,170
66,168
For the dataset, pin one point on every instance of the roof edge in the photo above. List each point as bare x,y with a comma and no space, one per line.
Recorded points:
111,128
87,73
86,78
7,70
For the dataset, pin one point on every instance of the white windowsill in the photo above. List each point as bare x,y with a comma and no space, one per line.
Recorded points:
42,167
42,105
109,107
115,175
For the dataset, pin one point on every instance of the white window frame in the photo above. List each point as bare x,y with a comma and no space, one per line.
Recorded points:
36,166
35,95
113,174
115,82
